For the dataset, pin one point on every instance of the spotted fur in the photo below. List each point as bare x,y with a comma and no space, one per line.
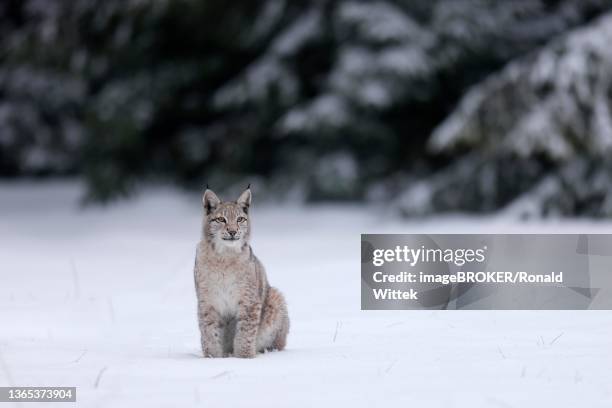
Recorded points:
239,313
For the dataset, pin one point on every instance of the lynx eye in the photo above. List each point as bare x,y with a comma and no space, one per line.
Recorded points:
220,219
241,219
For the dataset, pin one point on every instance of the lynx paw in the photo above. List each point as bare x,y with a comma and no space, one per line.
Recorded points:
245,352
212,353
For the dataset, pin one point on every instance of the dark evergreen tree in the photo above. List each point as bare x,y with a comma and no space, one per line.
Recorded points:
536,137
324,99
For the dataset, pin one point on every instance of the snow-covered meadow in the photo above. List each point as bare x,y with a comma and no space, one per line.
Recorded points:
103,299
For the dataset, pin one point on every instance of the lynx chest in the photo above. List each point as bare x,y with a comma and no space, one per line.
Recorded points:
221,286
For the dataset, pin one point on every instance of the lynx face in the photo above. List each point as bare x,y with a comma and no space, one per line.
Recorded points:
227,223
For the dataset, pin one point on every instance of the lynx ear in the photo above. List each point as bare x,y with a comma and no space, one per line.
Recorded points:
210,201
245,199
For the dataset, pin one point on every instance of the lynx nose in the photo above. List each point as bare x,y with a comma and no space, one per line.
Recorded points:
232,233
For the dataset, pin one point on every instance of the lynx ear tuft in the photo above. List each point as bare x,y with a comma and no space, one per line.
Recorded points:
245,199
210,200
249,186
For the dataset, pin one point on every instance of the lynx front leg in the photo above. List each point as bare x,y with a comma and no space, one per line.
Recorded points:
211,330
245,342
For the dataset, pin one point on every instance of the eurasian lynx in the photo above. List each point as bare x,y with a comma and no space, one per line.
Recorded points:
239,313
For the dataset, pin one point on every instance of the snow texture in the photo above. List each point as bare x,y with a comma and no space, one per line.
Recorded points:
555,103
387,55
533,139
103,299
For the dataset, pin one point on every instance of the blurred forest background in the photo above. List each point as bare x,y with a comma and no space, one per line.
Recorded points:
432,106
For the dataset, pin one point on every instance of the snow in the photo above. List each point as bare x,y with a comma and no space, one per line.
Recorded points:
370,78
381,21
271,13
417,199
551,103
103,299
328,109
269,74
260,81
295,36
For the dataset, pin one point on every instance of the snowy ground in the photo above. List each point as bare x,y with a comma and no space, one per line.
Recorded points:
103,299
